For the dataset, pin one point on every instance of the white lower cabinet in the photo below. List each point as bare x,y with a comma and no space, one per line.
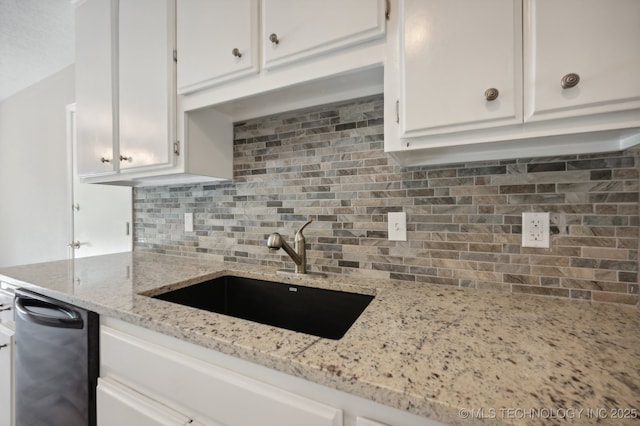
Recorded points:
6,376
204,392
148,378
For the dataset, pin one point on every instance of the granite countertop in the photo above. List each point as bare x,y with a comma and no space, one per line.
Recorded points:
434,351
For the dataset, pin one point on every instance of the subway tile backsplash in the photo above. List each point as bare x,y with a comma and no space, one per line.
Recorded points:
464,221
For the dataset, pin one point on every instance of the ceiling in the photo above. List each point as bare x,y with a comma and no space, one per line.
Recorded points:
36,41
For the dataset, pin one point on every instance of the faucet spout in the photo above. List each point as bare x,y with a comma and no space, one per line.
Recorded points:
298,253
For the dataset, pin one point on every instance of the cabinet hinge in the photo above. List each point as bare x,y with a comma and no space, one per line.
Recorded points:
175,55
387,12
176,147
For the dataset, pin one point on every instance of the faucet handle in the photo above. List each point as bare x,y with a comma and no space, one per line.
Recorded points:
299,235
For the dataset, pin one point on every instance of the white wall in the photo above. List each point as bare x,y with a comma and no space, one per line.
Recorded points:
34,199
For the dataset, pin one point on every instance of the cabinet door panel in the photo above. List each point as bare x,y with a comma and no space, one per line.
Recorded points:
117,405
306,28
602,47
451,53
146,82
95,35
208,32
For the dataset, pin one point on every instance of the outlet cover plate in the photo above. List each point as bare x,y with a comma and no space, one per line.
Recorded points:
397,226
535,230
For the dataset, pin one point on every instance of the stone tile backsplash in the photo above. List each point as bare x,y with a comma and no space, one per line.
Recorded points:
464,221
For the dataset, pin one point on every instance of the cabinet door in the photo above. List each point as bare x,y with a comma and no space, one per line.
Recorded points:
217,42
118,405
95,37
451,54
6,376
307,28
146,83
602,48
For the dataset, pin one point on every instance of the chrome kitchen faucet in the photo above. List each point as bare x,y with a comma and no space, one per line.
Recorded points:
298,254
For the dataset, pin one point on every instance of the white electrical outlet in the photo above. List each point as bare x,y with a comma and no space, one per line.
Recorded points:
188,222
397,222
535,230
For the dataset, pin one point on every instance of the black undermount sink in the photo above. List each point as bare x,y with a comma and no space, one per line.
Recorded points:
315,311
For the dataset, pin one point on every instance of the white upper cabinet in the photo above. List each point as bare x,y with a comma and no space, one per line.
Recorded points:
217,41
293,30
441,91
146,102
124,73
592,43
469,80
242,57
95,38
130,127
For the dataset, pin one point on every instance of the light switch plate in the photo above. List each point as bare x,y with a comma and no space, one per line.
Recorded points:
535,230
188,222
397,226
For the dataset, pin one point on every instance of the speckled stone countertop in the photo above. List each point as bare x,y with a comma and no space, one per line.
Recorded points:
430,350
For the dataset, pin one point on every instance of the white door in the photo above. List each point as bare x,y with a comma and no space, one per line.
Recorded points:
462,65
146,83
95,86
318,27
217,42
600,54
101,214
6,376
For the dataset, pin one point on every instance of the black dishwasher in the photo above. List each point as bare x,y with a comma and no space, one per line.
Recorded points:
56,362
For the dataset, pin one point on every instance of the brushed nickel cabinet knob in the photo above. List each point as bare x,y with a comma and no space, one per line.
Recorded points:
491,94
570,80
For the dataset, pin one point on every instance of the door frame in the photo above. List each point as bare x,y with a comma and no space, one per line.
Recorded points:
70,112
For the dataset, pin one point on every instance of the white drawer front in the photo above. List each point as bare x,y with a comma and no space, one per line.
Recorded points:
206,391
118,405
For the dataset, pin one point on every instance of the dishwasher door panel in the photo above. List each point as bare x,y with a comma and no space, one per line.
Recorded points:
55,362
